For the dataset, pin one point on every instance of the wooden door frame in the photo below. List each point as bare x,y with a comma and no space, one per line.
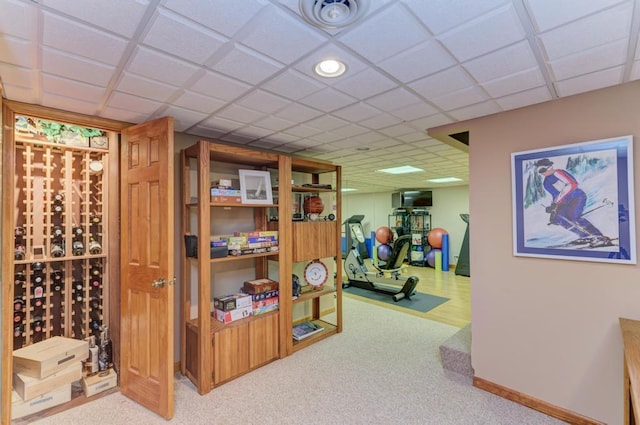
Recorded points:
9,110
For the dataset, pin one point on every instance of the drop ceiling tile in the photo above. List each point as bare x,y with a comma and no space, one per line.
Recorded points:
302,130
182,38
240,114
237,138
297,113
326,123
274,123
184,118
18,51
160,67
204,131
593,81
477,110
513,83
75,68
483,35
292,84
357,112
252,132
365,84
16,75
263,101
224,16
500,63
221,124
425,59
607,56
66,103
441,83
458,99
119,16
440,16
611,25
431,121
133,103
394,99
350,130
18,19
247,65
144,87
415,111
56,33
524,98
220,86
380,121
327,137
21,94
369,41
275,28
397,130
547,14
73,89
196,102
327,100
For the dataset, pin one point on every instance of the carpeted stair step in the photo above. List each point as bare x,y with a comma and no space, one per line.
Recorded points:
455,352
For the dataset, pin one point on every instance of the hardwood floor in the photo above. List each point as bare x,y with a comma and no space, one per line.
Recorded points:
455,312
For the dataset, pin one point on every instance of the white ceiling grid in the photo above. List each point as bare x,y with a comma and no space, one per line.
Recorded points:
241,71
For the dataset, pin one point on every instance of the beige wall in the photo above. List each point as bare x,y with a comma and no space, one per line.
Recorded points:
547,328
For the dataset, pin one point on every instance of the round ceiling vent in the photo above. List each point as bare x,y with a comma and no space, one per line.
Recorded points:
333,13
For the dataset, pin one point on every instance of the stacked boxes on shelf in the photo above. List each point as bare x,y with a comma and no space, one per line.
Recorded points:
242,243
232,307
264,295
223,192
43,373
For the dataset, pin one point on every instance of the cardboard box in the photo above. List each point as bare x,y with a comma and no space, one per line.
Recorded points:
102,381
20,407
232,302
29,387
215,199
230,316
47,357
258,286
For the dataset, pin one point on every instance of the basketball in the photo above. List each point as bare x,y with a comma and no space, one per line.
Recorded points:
384,235
313,205
434,237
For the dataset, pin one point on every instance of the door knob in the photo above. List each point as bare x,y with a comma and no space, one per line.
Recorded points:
159,283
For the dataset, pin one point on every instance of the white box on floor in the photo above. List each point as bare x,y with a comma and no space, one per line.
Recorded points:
101,381
20,407
46,357
29,387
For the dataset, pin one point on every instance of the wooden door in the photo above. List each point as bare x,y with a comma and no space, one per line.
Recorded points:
146,339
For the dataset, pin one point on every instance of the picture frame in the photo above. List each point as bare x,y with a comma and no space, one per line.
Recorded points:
575,202
255,187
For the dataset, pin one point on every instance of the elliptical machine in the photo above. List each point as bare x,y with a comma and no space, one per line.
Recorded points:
358,274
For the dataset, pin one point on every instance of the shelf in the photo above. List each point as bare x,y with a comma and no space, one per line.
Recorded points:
233,204
310,293
329,329
305,189
243,257
217,325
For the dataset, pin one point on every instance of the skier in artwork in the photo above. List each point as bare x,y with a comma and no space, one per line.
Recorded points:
567,206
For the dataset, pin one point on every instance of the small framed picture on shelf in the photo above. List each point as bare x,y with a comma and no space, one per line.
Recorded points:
255,187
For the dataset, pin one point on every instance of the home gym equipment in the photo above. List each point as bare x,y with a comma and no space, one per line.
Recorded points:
384,235
362,248
384,252
434,237
463,267
358,274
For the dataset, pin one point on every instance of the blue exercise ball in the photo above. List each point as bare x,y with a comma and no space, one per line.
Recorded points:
431,257
384,252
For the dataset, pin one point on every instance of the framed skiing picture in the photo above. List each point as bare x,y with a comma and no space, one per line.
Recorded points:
575,202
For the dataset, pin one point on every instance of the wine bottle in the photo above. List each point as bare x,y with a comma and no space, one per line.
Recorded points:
94,325
105,353
94,246
38,296
19,232
19,278
37,325
19,252
37,278
56,280
57,249
94,303
78,291
57,232
96,281
92,362
78,247
18,331
77,232
18,304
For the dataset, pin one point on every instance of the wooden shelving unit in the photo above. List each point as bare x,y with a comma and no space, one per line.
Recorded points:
213,352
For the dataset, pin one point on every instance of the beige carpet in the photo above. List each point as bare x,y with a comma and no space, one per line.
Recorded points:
383,369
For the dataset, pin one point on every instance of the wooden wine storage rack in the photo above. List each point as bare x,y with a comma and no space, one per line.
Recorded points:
60,268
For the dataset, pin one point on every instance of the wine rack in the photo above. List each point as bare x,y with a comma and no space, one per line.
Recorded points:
60,267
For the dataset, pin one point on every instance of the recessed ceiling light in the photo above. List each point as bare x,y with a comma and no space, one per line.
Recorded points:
445,180
330,68
333,13
348,189
401,170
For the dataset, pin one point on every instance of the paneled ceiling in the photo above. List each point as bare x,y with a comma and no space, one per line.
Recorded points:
240,71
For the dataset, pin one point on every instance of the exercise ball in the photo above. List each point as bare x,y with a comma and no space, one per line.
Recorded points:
313,205
434,237
431,256
384,252
384,235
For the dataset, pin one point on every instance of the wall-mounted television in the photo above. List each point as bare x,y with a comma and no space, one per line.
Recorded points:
412,199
